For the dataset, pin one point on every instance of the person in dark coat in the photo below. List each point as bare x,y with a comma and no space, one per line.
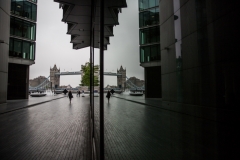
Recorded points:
70,96
108,96
65,91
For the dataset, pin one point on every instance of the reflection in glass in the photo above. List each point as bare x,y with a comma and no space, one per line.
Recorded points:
145,4
178,49
23,29
149,53
149,17
22,49
23,8
149,35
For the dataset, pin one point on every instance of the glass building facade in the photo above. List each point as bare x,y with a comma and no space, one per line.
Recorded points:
23,29
149,46
149,31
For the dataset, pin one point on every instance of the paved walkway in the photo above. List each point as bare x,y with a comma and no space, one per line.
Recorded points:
153,102
53,130
133,131
32,101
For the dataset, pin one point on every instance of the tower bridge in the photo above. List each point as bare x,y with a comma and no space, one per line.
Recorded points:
54,78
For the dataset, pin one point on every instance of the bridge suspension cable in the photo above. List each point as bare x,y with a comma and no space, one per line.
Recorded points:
42,85
132,84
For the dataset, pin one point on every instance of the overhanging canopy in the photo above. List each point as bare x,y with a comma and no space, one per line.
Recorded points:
78,16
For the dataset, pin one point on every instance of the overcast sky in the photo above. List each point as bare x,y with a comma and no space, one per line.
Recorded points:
53,45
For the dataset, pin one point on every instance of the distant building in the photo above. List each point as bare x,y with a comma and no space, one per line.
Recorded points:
65,87
37,81
110,87
137,82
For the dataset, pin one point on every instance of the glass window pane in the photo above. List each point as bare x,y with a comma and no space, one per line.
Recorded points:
154,53
151,3
18,8
147,54
145,18
34,12
18,27
32,51
141,55
12,26
33,31
149,35
140,5
157,2
145,4
17,48
151,19
11,51
13,5
26,50
26,30
156,15
27,13
141,19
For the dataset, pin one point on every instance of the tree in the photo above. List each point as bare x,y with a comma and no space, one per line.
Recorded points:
86,75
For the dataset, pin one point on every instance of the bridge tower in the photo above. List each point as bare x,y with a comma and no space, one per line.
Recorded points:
121,80
54,79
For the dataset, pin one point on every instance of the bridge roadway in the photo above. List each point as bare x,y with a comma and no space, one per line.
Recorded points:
135,128
79,73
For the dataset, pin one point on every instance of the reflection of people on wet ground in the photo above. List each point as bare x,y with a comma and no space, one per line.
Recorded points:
108,96
78,93
70,96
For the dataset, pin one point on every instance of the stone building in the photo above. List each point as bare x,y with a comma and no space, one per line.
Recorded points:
137,82
37,81
54,79
121,80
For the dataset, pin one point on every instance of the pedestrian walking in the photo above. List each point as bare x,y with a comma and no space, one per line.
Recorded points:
70,96
108,95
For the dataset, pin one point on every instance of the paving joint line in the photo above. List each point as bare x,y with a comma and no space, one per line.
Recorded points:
138,102
28,106
167,109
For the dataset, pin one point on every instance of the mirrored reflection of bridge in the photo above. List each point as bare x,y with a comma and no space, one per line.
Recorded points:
80,73
53,80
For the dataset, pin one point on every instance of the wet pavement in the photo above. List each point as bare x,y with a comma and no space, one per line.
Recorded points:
135,129
52,130
13,105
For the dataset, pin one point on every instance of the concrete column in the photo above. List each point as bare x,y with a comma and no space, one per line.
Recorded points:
4,47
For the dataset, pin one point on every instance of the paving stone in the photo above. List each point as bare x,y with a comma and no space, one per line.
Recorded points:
53,130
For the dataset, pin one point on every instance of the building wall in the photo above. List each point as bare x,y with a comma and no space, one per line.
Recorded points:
4,47
21,46
202,72
149,45
199,54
